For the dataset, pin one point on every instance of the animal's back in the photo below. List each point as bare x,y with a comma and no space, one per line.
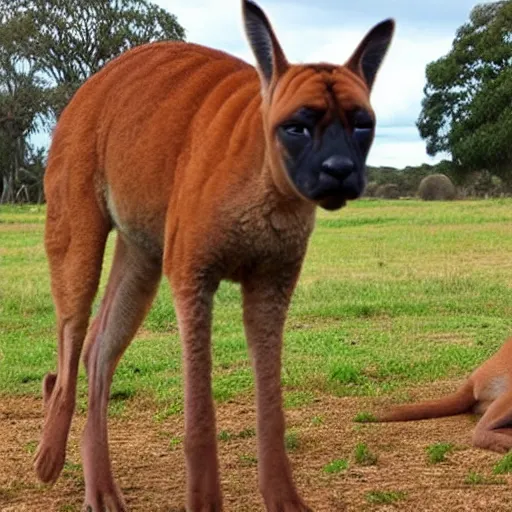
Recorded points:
132,126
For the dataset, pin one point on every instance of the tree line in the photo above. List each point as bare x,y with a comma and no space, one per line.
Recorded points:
48,48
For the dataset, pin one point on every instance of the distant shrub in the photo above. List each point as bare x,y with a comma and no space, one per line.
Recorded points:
387,191
483,184
371,188
436,187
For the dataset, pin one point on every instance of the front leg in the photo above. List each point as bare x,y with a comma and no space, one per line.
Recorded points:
266,300
194,311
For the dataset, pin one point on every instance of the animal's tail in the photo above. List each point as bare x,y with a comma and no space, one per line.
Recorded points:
457,403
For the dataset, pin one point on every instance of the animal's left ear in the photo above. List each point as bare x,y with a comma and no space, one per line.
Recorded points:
270,57
368,57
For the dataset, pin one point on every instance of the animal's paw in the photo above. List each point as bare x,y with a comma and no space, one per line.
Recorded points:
498,447
49,461
492,440
104,501
292,505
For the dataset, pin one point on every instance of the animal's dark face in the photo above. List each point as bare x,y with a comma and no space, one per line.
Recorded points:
326,160
318,120
322,127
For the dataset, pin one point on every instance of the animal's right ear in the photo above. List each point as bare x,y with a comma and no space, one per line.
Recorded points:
270,57
367,58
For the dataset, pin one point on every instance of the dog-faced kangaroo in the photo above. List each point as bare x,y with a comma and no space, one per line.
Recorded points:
208,169
487,391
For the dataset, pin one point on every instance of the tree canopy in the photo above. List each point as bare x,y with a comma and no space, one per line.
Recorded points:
69,40
48,48
467,108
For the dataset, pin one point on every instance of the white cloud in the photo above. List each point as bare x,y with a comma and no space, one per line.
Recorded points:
399,87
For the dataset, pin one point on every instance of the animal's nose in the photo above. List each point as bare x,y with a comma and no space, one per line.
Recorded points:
338,166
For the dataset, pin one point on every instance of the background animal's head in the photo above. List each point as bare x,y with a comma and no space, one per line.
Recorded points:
319,123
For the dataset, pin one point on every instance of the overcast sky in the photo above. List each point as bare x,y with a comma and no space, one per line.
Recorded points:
329,30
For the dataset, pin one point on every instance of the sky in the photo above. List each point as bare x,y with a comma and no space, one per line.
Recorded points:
329,31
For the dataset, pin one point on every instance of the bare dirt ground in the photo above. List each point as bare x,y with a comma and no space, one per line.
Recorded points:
149,462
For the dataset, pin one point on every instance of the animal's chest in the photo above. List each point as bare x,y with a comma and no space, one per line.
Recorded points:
265,240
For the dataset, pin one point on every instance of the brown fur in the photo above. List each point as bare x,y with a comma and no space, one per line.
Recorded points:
487,391
172,144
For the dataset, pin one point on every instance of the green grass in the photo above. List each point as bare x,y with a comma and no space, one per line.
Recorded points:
504,465
437,452
474,478
336,466
363,456
365,417
393,294
384,497
291,441
317,421
246,433
248,460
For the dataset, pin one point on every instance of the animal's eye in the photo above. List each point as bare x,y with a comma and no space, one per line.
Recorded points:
362,120
297,130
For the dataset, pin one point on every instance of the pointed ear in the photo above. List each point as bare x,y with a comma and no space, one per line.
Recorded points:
267,50
370,53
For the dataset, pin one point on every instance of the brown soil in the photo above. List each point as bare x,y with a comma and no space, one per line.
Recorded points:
148,461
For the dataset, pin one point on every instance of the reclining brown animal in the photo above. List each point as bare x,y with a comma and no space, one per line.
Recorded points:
487,391
208,169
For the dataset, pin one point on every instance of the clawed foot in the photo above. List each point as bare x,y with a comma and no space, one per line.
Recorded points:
102,494
283,499
102,500
295,505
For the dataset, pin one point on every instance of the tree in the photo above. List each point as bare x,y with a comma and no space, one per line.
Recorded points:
23,106
467,108
72,39
48,48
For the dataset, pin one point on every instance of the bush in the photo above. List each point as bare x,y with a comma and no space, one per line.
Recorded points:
371,188
387,191
436,187
483,184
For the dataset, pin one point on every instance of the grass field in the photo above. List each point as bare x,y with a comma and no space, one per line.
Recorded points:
394,295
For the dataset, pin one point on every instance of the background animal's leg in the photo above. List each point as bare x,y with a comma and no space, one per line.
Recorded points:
75,248
133,282
494,430
266,303
194,309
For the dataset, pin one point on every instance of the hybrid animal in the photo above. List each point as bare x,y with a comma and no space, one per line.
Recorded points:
487,391
208,169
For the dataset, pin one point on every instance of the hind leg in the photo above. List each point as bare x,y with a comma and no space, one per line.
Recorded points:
491,431
132,285
75,248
